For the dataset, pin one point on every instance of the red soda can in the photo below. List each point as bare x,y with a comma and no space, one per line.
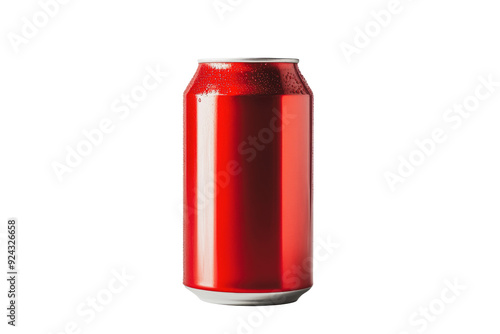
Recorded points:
248,181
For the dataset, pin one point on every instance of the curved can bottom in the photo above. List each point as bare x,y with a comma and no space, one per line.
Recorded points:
248,299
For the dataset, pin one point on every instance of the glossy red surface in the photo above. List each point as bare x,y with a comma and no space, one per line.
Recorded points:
248,178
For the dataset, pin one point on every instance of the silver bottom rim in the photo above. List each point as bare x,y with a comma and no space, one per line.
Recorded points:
248,299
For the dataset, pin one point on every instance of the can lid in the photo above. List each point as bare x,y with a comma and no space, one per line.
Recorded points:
248,60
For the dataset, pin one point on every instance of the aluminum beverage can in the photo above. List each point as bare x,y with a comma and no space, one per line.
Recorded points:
248,181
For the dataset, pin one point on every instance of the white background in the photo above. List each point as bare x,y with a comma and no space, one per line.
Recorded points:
120,208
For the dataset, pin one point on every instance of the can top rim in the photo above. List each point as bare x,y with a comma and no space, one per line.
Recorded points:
248,60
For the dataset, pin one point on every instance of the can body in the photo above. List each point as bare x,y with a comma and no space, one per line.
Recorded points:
248,182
